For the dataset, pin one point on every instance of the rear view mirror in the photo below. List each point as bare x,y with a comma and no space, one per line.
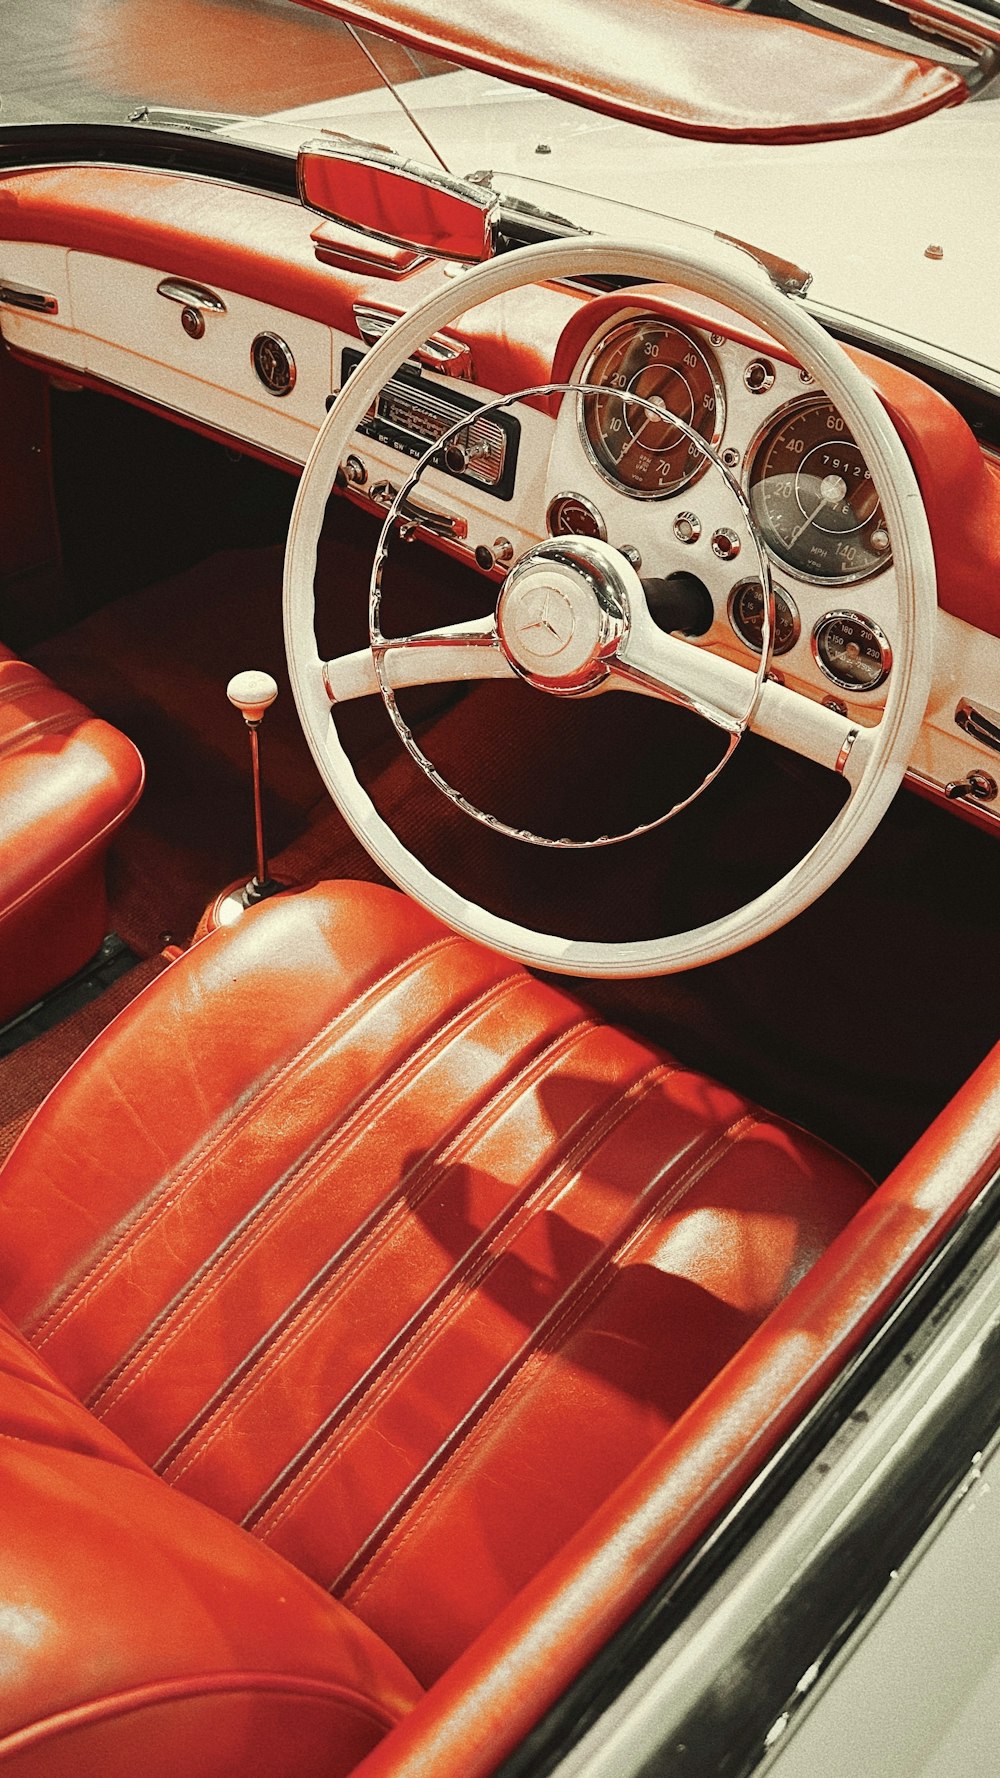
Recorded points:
376,192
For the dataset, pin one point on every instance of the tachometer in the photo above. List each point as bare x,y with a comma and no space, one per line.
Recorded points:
813,497
640,448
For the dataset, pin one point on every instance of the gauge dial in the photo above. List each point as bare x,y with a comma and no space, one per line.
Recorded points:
746,614
273,362
813,497
851,650
641,448
571,515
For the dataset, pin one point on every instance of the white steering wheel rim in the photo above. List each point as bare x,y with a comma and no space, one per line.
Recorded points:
727,275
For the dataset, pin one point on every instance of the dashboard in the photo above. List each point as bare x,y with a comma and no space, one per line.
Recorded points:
229,311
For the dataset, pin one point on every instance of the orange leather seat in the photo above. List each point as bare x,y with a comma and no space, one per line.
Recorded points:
67,781
400,1259
139,1633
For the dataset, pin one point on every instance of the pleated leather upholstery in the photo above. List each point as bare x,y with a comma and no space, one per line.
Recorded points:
400,1259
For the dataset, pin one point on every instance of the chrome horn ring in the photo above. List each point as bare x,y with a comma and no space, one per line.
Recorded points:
589,592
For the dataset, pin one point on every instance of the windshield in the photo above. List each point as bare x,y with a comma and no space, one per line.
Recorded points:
899,230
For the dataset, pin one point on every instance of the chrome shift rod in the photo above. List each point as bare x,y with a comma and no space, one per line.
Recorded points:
253,693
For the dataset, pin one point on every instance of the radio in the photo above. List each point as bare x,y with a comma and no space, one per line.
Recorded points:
411,412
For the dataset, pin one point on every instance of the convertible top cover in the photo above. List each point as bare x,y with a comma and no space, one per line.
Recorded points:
687,67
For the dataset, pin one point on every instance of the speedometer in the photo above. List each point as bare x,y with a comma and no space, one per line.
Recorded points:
637,446
813,497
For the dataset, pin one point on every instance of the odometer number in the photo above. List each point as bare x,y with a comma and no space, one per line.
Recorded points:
813,497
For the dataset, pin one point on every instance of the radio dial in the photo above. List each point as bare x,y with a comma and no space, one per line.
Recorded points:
460,453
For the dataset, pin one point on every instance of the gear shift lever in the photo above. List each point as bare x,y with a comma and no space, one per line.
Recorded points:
253,693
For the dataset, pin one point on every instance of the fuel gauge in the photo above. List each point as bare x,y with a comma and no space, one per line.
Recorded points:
746,614
852,650
573,515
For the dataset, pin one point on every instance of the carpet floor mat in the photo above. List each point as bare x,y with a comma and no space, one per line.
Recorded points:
31,1071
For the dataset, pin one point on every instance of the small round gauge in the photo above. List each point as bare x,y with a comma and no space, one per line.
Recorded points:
813,497
570,515
746,614
273,362
851,650
639,447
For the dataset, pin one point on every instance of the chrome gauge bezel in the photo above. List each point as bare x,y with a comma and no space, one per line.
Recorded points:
885,647
632,325
563,499
791,607
799,404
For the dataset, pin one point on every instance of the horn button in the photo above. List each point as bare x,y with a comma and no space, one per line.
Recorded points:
563,612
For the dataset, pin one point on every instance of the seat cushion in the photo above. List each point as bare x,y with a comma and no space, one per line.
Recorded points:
395,1255
67,781
139,1632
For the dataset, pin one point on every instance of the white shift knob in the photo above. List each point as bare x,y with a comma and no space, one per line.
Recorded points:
253,693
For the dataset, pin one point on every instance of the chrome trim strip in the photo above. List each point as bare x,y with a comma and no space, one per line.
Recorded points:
449,357
915,351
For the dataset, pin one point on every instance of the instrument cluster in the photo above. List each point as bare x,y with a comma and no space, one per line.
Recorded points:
669,403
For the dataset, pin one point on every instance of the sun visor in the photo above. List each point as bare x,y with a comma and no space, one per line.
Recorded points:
687,67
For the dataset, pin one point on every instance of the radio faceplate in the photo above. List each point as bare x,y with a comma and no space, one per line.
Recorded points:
412,410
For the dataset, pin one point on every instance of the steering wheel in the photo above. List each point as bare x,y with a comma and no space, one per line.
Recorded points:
609,633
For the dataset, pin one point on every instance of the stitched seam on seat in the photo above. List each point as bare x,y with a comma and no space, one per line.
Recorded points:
410,1193
31,682
116,1707
254,1228
278,1342
169,1190
569,1314
574,1303
470,1273
60,722
217,1143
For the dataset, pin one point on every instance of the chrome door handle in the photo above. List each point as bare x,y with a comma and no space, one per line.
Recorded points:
191,296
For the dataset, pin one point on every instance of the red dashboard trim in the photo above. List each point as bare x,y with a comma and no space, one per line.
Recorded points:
261,247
